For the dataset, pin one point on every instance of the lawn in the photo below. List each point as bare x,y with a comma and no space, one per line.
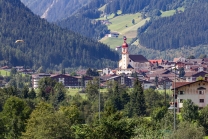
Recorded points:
4,73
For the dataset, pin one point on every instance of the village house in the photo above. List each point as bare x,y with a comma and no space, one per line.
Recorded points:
195,91
123,80
67,80
113,34
192,75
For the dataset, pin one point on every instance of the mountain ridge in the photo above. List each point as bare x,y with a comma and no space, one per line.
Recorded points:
54,10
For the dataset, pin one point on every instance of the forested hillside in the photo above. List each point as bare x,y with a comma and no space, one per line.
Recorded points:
54,10
133,6
83,21
189,28
45,44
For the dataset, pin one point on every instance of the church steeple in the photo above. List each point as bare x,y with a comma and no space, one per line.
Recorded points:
124,46
125,54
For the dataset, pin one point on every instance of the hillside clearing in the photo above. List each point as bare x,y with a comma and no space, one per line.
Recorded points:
124,26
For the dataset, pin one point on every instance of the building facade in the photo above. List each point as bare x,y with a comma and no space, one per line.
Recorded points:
195,91
131,63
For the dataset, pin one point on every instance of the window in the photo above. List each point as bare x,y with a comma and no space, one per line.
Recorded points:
201,100
181,92
181,101
201,92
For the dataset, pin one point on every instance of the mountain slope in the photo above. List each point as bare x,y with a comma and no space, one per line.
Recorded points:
45,44
54,10
189,28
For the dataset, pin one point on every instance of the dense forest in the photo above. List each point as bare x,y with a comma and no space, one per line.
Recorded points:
83,21
45,44
133,6
85,26
189,28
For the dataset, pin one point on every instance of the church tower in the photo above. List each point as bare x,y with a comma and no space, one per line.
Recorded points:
125,55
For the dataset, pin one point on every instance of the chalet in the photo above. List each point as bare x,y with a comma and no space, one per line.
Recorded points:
196,91
67,80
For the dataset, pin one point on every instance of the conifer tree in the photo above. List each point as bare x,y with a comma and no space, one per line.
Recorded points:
137,100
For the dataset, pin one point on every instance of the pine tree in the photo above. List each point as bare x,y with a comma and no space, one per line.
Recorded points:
137,100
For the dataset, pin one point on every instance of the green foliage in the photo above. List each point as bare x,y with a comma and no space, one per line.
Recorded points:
44,122
72,113
188,130
25,92
52,91
158,113
200,78
58,95
14,115
32,94
203,118
92,90
46,87
144,129
189,111
115,126
153,99
137,100
118,96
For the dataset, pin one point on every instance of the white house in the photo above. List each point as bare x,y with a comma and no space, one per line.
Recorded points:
196,91
113,34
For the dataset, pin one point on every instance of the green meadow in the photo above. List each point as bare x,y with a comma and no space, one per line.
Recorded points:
4,73
171,12
124,26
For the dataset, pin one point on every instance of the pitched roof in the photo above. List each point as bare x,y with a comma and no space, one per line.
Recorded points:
138,58
159,61
130,67
180,84
195,74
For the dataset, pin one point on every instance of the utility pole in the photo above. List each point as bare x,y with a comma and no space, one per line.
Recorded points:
174,124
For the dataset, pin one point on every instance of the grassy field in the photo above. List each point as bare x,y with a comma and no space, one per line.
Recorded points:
113,42
4,73
167,91
171,12
123,24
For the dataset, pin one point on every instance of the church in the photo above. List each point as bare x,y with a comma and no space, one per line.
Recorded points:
131,63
